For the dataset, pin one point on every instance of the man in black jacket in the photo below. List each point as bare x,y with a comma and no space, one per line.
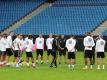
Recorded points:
54,52
62,48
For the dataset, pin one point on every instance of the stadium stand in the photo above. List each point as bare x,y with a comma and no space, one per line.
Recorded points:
12,10
66,20
104,33
80,1
62,17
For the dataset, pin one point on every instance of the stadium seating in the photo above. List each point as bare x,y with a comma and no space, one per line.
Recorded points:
12,10
80,1
65,20
57,18
104,33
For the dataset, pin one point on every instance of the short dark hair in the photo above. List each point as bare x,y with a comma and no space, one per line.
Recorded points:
30,36
72,35
88,34
5,35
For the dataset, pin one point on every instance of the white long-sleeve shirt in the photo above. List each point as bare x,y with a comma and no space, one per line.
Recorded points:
3,44
49,42
100,45
70,45
39,43
88,43
16,44
9,42
22,44
29,45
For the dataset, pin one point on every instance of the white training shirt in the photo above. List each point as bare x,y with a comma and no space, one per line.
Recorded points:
88,41
29,45
100,45
26,39
49,42
16,44
21,44
9,42
39,43
70,45
3,44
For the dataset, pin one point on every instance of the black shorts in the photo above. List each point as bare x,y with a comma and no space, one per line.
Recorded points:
88,54
16,53
71,55
39,52
3,53
29,54
9,52
62,52
49,52
54,53
100,55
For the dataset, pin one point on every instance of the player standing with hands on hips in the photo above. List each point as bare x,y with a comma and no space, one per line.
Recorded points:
70,45
49,46
100,45
29,51
88,45
39,48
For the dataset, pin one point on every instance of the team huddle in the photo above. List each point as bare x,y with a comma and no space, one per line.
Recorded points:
55,46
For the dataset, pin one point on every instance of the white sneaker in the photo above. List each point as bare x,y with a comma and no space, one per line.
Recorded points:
91,67
72,67
27,64
17,66
7,64
69,66
20,64
103,68
98,68
85,68
33,64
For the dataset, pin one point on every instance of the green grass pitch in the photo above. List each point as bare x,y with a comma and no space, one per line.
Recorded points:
44,72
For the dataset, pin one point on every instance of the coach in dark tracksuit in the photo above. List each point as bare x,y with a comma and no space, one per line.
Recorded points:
62,48
54,52
92,60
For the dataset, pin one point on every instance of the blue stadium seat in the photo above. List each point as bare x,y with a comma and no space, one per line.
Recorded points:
56,19
12,10
80,1
65,20
104,33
